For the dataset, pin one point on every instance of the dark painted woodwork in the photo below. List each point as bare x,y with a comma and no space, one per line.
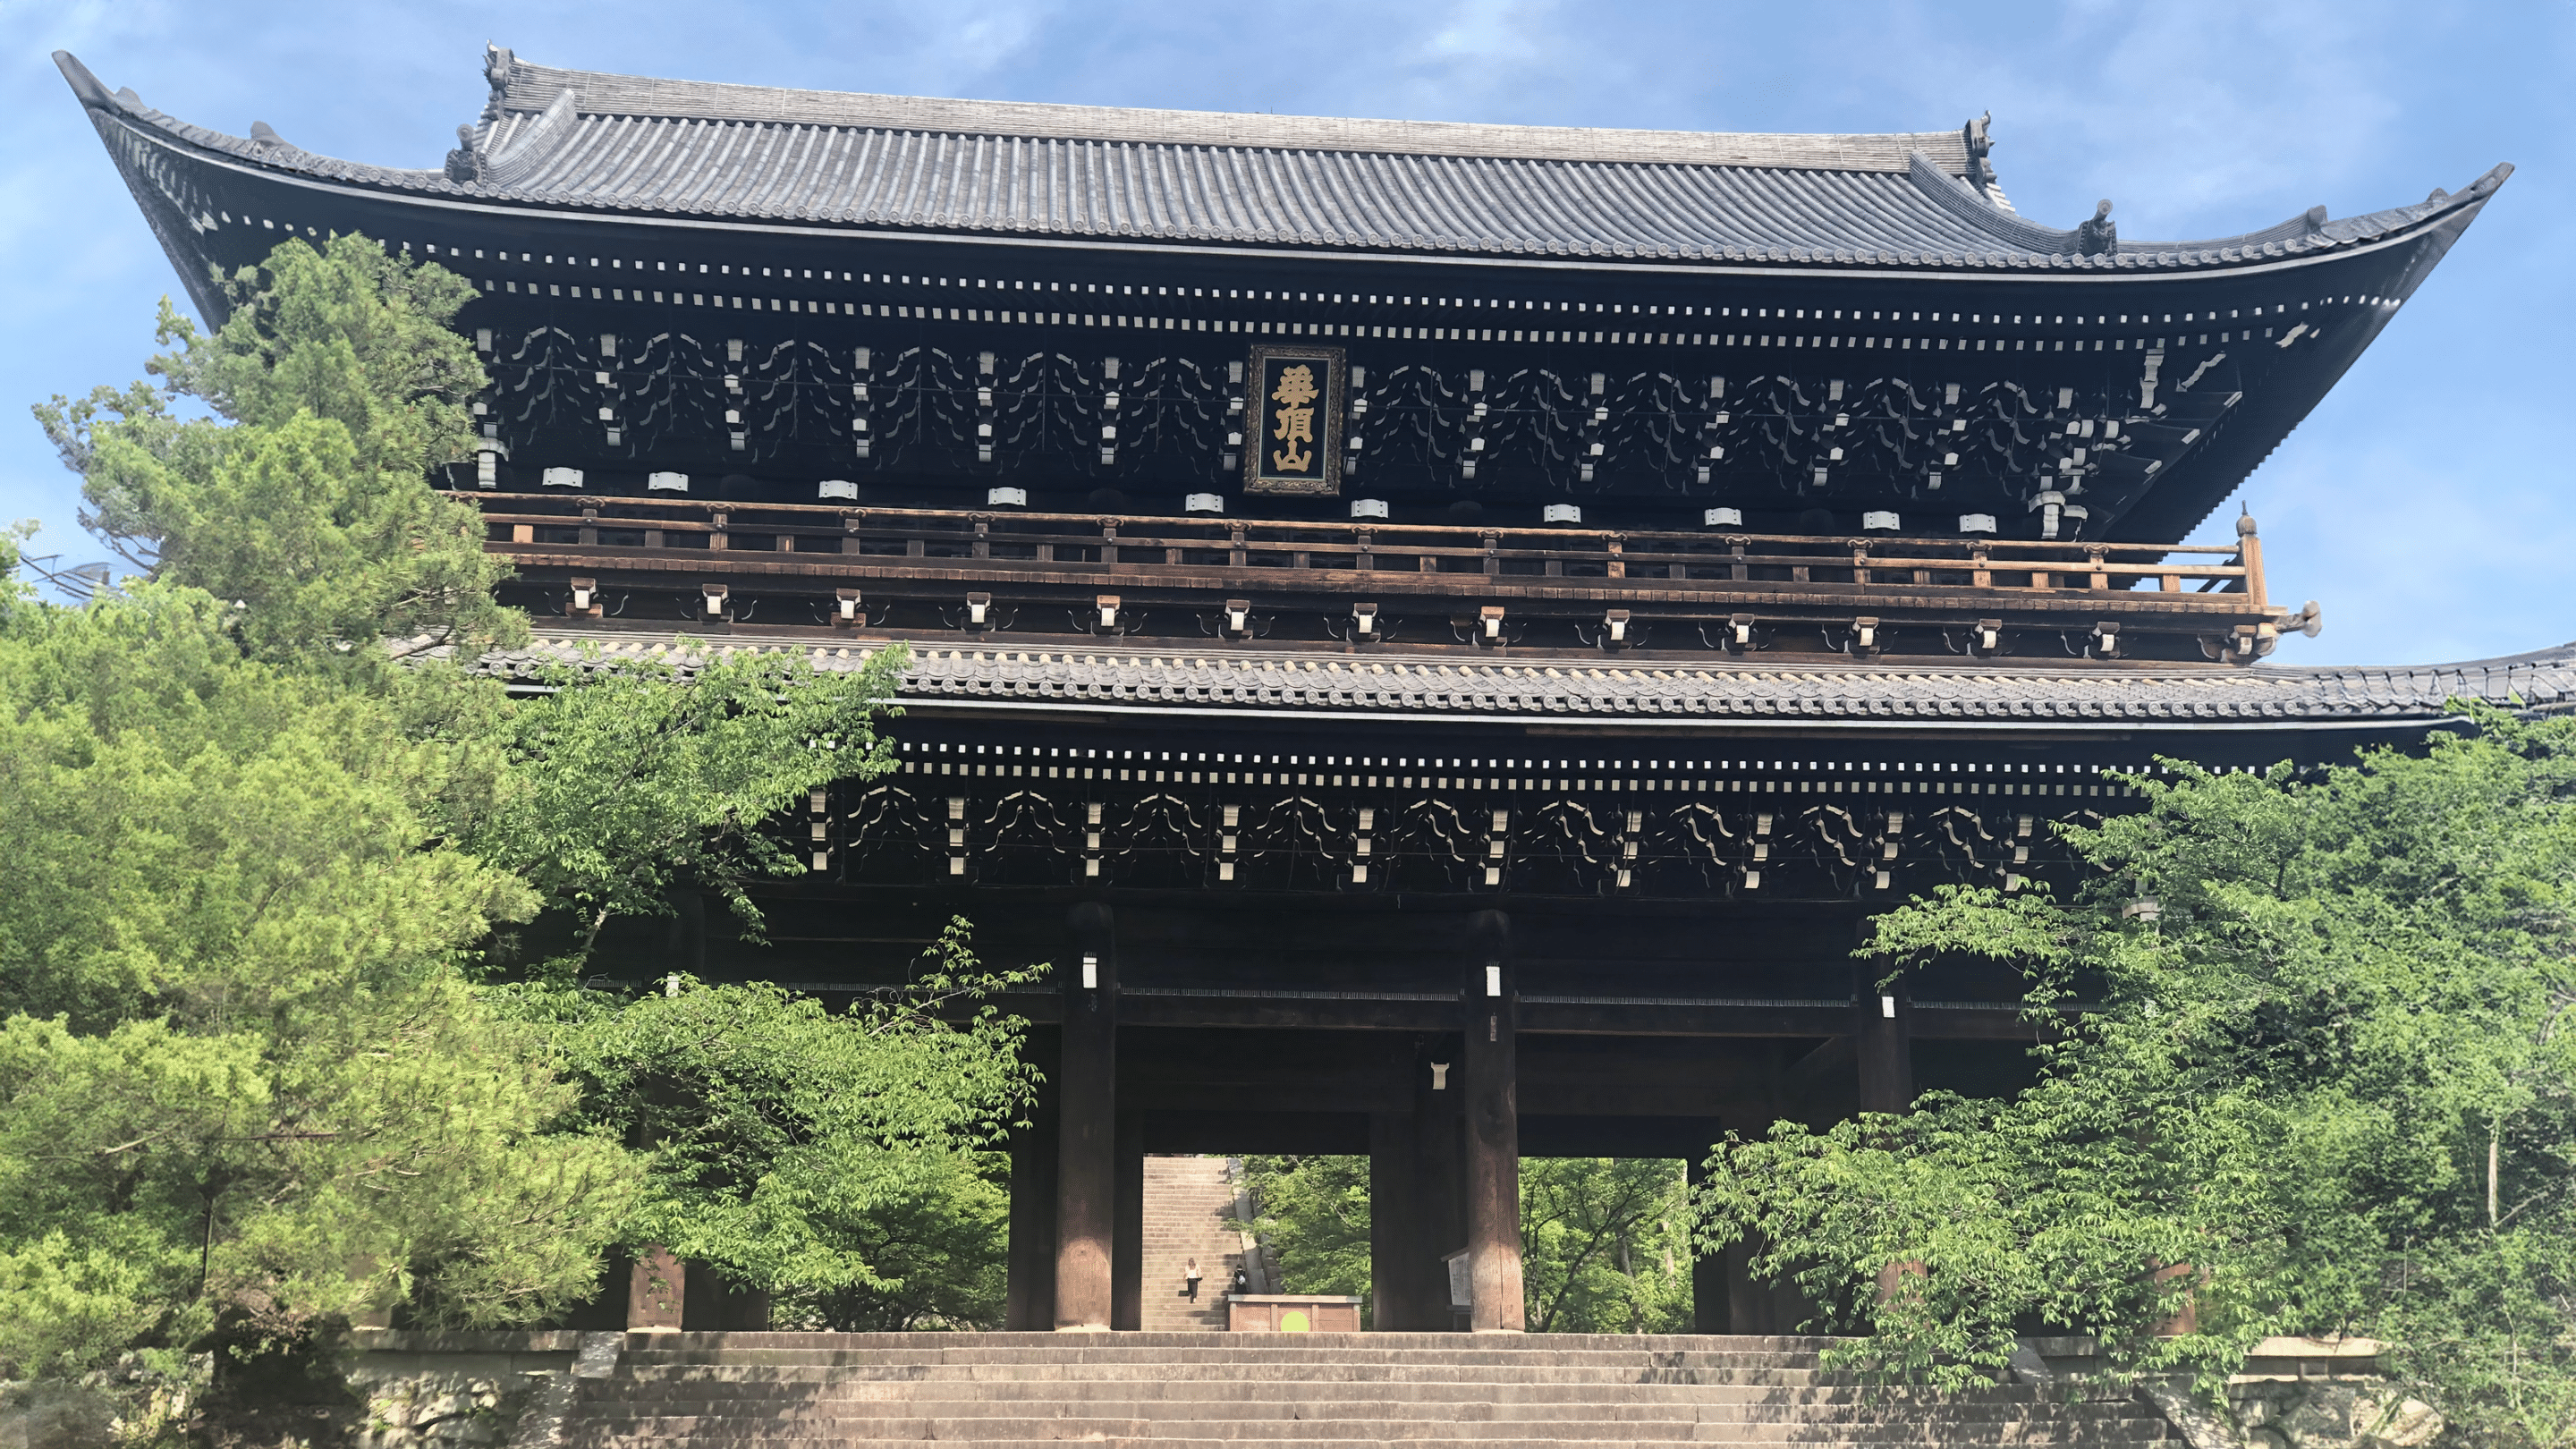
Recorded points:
1087,1108
1440,1177
1397,1252
1029,1300
1127,1235
1883,1043
1490,1090
1710,1302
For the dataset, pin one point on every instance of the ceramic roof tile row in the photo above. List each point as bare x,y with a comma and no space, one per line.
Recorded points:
1560,688
1815,200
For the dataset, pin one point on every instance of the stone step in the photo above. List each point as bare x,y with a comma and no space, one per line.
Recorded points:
1374,1344
996,1430
1240,1350
683,1418
1343,1442
672,1392
1231,1372
1314,1391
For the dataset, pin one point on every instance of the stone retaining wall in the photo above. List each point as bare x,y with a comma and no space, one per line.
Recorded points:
454,1389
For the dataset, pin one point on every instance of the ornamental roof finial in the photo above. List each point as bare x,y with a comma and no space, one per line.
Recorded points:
465,163
1980,140
2099,236
497,61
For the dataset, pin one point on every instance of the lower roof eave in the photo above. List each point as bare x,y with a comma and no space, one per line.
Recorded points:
1892,727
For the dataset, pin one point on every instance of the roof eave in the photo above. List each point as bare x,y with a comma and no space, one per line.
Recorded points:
461,198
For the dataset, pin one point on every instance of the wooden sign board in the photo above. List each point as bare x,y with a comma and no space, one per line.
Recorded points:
1293,413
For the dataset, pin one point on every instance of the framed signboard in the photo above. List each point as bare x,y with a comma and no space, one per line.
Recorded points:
1293,405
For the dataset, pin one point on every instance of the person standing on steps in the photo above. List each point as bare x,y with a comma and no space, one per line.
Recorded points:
1190,1281
1242,1282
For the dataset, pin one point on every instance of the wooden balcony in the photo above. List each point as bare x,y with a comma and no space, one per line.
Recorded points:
1728,584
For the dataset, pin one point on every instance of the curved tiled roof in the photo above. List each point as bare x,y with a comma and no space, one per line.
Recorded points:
1561,689
587,141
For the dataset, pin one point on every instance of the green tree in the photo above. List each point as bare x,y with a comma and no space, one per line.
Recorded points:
1311,1211
621,781
2325,1084
797,1149
247,1087
1605,1245
262,1061
936,1252
336,387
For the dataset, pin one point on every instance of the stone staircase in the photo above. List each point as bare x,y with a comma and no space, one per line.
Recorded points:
852,1391
1187,1202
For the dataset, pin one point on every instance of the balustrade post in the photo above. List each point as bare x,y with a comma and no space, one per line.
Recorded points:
2249,557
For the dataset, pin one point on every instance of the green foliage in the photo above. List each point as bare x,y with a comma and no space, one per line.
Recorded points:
1312,1212
2328,1086
623,781
63,1309
305,500
936,1252
788,1145
252,1085
1605,1245
1605,1242
243,1073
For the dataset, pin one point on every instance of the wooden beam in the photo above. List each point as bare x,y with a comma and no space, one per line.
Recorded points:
2002,1022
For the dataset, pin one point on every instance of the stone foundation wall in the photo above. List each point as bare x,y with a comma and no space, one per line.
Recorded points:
454,1389
2294,1393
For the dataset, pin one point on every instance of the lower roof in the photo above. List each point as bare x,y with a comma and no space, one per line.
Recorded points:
1389,685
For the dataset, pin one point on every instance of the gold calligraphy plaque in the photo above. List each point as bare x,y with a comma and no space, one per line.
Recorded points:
1293,420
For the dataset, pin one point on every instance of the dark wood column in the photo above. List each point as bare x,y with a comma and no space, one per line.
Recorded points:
1127,1236
1396,1249
1492,1103
1029,1304
1884,1036
1811,1086
1087,1125
1712,1296
1439,1173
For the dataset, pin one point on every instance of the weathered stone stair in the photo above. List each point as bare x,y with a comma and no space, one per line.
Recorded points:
1187,1203
813,1390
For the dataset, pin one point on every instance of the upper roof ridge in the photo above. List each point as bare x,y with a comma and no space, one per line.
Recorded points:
521,85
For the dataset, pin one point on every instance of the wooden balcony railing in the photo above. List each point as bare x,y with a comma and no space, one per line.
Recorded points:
1500,562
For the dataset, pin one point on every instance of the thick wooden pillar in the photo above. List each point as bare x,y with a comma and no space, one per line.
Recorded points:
1712,1296
1087,1125
1813,1087
1029,1304
1492,1103
1127,1235
1439,1174
1396,1250
1884,1036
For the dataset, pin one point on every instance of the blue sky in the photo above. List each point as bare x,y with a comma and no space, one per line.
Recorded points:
2423,503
